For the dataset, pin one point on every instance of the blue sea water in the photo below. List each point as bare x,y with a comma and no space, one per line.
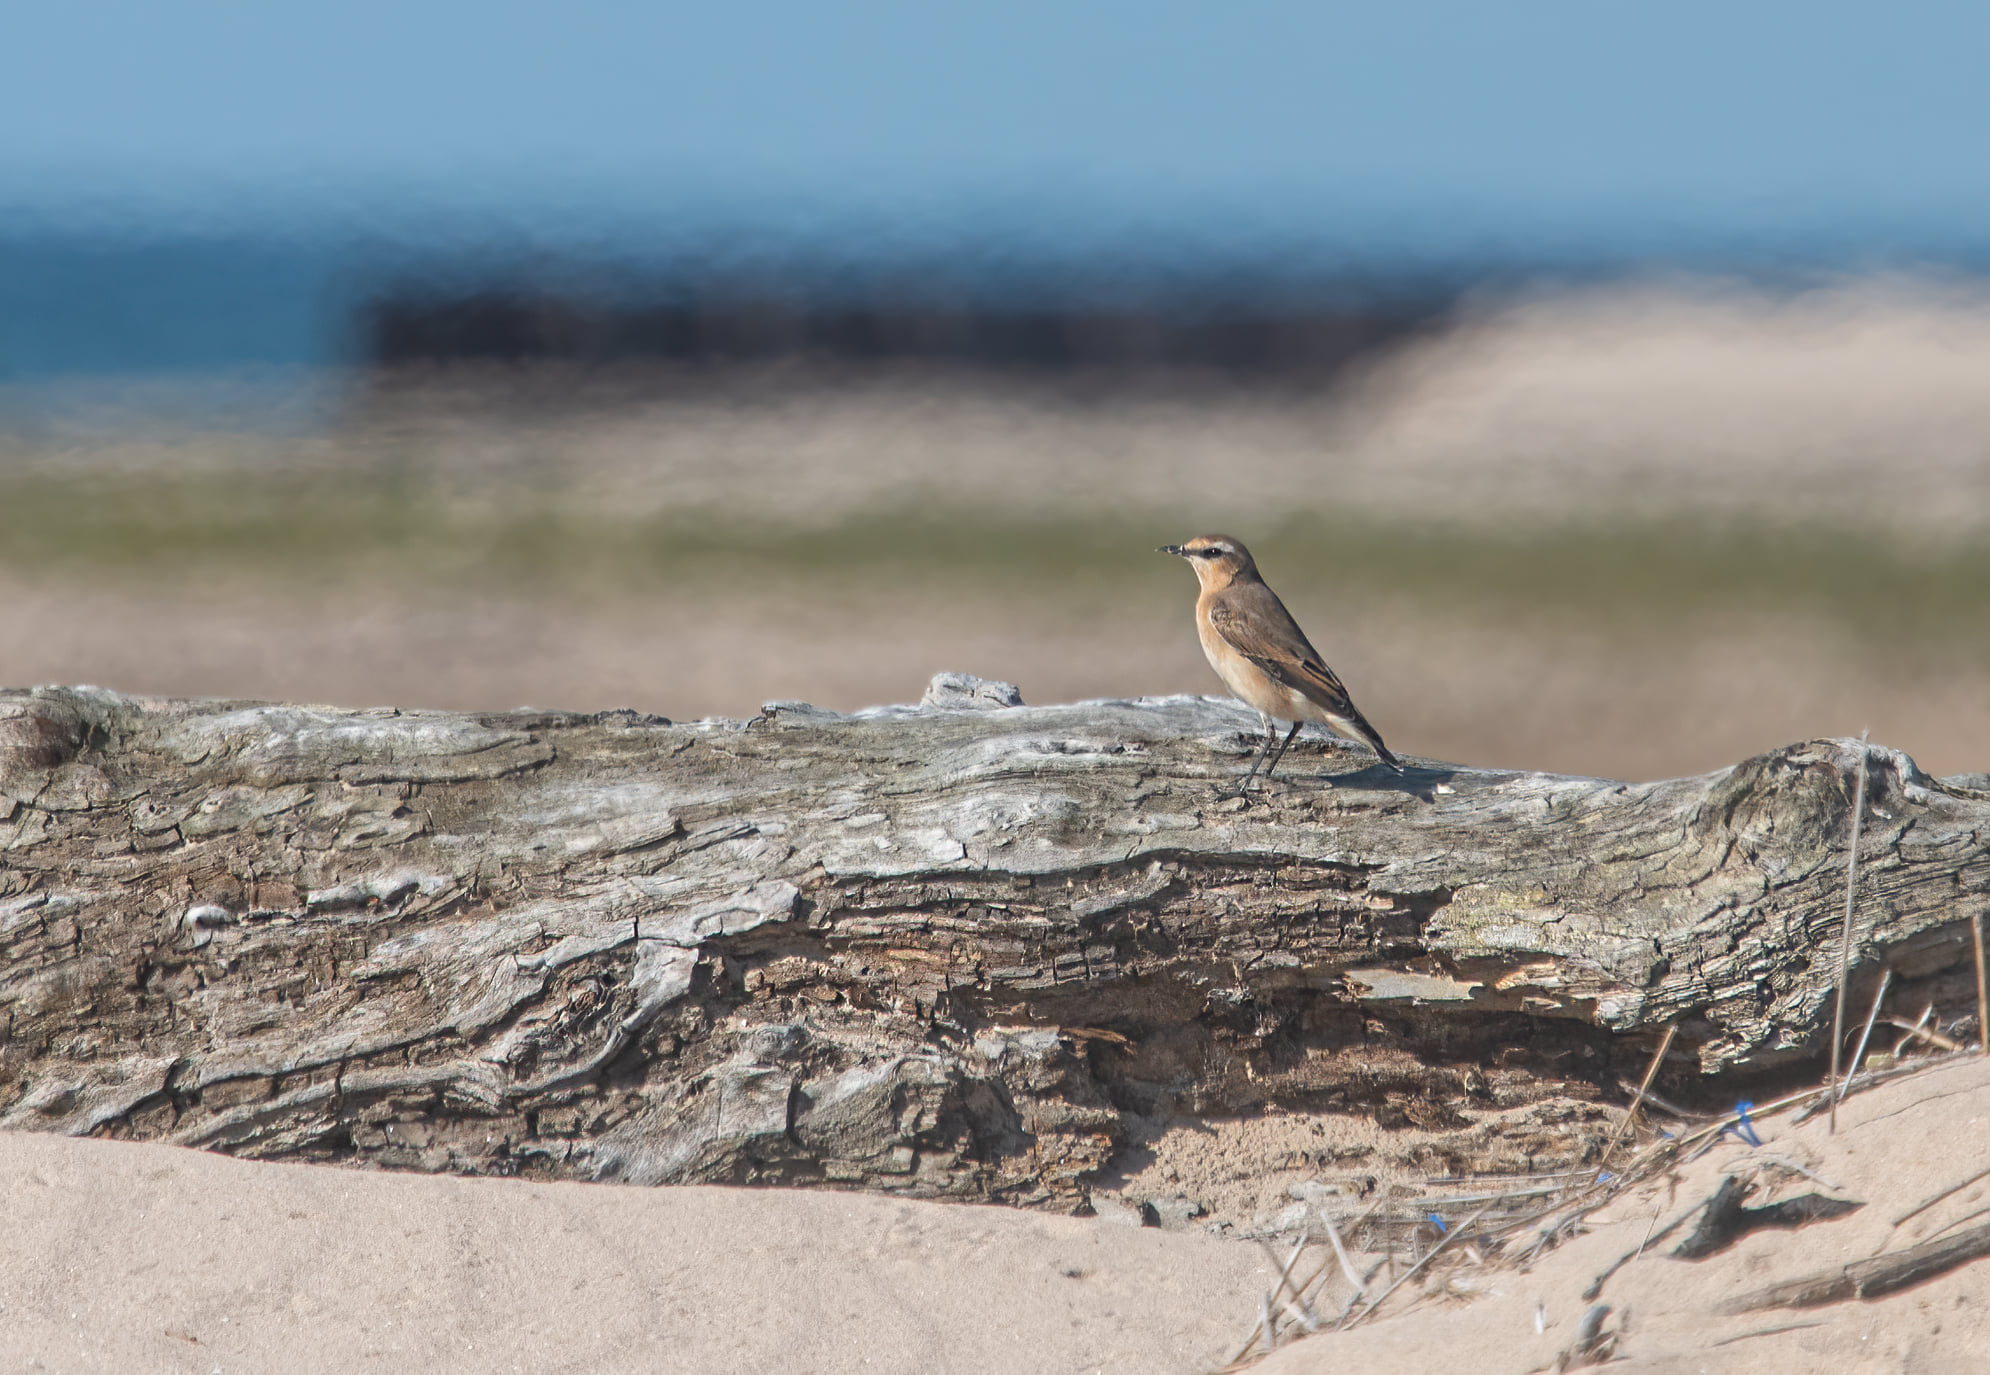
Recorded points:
265,324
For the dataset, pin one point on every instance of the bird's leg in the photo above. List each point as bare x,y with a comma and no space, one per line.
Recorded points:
1281,749
1244,784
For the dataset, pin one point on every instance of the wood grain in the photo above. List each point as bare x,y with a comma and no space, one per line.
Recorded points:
951,951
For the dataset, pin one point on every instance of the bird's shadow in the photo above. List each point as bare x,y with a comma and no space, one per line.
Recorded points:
1418,780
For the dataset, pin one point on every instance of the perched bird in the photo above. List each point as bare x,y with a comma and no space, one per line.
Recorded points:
1262,655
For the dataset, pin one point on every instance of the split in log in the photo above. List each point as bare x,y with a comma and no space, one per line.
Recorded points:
961,949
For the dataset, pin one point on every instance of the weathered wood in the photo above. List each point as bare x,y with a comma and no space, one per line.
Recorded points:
953,951
1872,1278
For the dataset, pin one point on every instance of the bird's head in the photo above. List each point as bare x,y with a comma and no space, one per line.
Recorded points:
1217,560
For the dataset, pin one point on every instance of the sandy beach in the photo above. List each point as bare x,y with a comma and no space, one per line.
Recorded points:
121,1257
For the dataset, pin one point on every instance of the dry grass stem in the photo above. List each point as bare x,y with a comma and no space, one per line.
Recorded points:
1444,1241
1795,1167
1340,1252
1982,992
1539,1178
1340,1320
1638,1098
1933,1199
1766,1332
1285,1284
1845,932
1548,1212
1340,1260
1652,1233
1663,1105
1921,1031
1859,1055
1264,1331
1954,1223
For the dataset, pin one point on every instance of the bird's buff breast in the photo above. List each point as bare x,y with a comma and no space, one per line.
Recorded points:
1251,684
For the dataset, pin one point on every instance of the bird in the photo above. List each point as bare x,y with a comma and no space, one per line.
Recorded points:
1262,655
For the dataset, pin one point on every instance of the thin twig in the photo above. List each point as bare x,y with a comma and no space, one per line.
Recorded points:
1845,934
1447,1179
1507,1195
1901,1065
1340,1251
1319,1275
1930,1202
1353,1229
1885,978
1765,1332
1922,1021
1284,1282
1305,1286
1356,1296
1262,1328
1923,1032
1871,1278
1649,1231
1954,1223
1652,1233
1651,1073
1663,1105
1794,1167
1408,1274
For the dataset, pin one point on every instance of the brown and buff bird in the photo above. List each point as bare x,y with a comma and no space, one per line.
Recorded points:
1262,655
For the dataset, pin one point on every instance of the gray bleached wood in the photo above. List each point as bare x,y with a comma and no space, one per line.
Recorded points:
965,952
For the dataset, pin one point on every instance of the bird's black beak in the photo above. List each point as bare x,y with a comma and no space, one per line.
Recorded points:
1174,549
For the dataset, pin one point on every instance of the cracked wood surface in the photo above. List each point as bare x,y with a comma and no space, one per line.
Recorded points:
966,952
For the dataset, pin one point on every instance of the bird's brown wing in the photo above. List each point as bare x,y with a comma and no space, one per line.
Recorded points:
1256,624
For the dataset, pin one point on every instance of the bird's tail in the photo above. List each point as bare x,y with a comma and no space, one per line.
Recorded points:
1357,724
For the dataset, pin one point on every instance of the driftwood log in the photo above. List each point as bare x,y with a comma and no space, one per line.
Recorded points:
960,949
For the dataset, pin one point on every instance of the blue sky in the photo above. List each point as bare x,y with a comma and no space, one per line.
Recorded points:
1534,122
243,169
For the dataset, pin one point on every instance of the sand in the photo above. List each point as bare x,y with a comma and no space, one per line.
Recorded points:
119,1257
123,1257
1895,1147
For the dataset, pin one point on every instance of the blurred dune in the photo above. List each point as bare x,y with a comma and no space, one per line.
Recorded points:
1629,531
1852,404
1858,404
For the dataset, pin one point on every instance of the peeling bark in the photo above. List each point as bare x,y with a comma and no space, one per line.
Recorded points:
966,952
